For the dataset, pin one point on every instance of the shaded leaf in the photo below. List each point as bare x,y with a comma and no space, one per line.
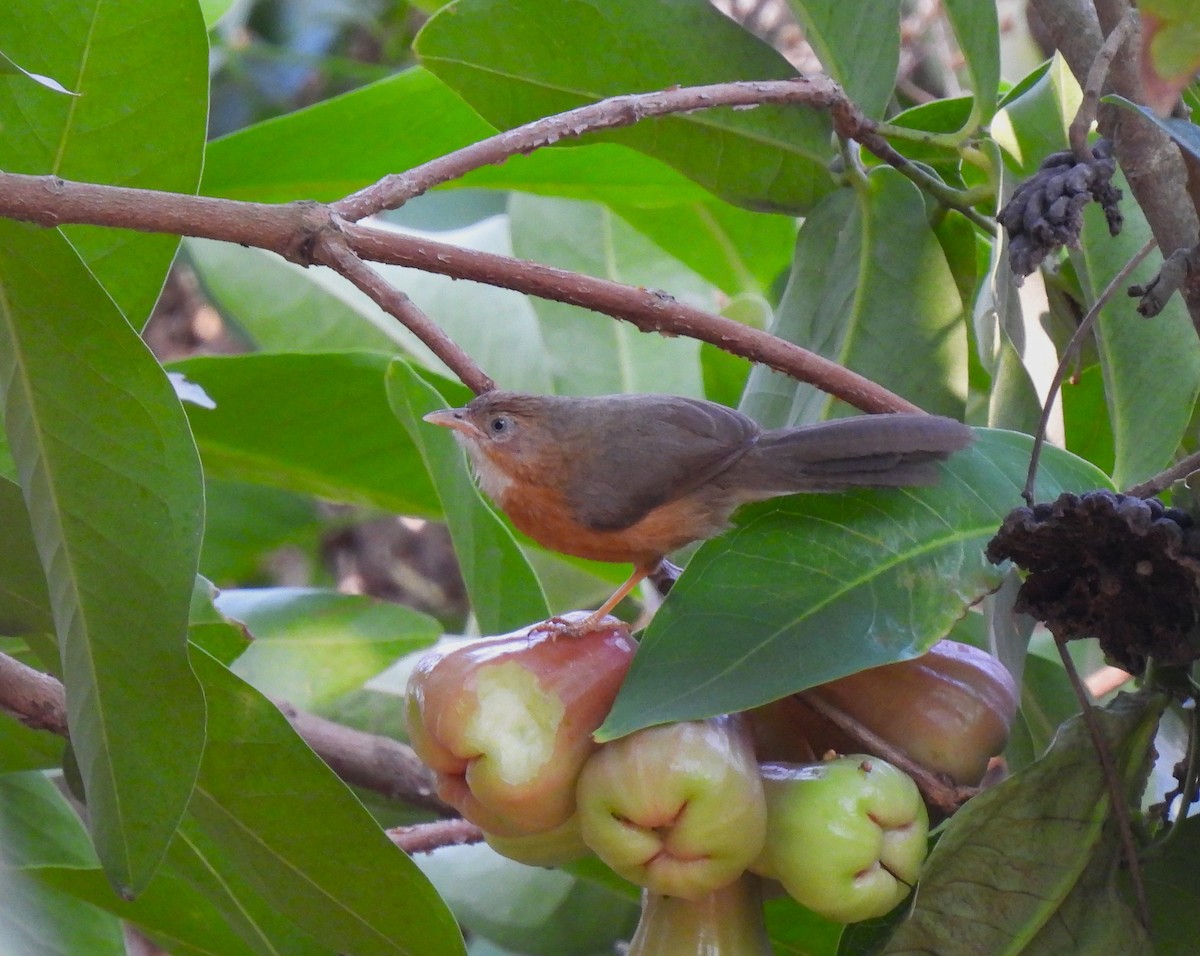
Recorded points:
24,600
516,62
112,485
810,588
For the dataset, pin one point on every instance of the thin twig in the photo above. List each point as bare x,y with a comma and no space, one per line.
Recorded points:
1085,116
1164,479
1120,805
334,253
818,92
1085,327
938,792
427,837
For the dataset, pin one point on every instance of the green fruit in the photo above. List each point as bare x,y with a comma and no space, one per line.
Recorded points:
846,837
677,809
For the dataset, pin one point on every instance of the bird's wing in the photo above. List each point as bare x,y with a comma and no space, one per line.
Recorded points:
655,452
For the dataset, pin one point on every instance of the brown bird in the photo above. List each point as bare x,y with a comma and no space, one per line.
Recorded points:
630,478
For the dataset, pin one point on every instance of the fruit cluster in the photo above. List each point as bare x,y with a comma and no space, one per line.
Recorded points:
696,812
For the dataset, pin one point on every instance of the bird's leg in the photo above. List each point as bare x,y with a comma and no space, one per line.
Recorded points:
594,620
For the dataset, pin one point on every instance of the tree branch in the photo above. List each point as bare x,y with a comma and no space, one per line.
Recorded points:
297,231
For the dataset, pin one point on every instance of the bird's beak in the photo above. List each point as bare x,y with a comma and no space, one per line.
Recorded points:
451,418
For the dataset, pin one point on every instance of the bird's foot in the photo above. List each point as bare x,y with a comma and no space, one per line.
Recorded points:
575,624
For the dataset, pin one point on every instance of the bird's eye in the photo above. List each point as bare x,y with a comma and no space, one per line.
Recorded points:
500,425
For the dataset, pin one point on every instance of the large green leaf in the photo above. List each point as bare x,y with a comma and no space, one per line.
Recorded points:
112,484
517,61
300,837
858,44
1030,866
285,420
810,588
140,68
593,354
1173,891
1151,367
311,645
870,288
505,593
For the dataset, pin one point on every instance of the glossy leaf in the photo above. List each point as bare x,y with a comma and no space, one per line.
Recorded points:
112,485
300,837
311,645
870,288
281,420
810,588
1151,367
140,68
1027,867
593,354
505,593
1184,133
517,61
858,45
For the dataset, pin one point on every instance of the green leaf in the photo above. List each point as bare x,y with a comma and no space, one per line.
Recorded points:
301,838
505,593
245,523
858,44
977,30
38,828
210,630
1173,891
1151,366
1036,116
870,288
311,646
36,919
810,588
141,70
739,252
281,420
275,161
1026,867
24,749
24,600
112,484
593,354
517,61
1046,701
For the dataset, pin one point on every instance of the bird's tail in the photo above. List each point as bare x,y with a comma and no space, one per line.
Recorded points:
880,450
